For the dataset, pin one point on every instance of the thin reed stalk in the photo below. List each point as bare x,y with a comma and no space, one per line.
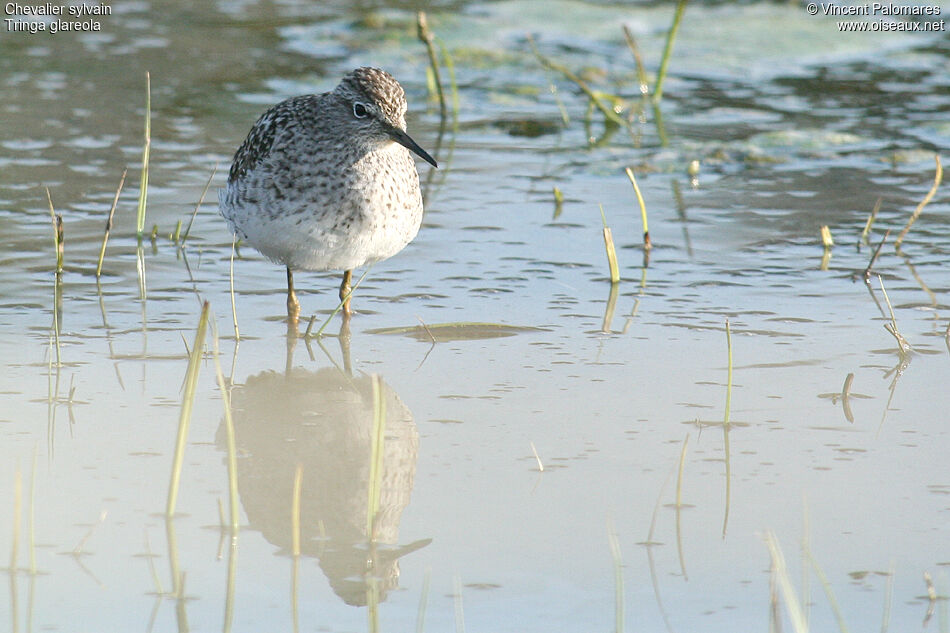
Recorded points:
784,583
870,221
338,307
668,50
58,237
728,376
187,401
611,251
877,251
425,36
146,149
105,237
377,453
237,331
229,432
201,199
638,60
647,245
618,576
938,176
595,100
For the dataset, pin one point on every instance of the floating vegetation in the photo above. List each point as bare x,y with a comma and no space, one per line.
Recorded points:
460,331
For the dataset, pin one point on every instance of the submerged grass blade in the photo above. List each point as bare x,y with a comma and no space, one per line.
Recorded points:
187,400
146,149
618,576
229,432
938,176
105,237
377,452
780,572
668,50
643,209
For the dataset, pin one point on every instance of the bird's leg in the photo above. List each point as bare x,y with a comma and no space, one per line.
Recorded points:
345,292
293,306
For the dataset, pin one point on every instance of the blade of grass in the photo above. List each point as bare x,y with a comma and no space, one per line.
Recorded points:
105,237
618,576
647,245
201,199
608,113
146,148
187,401
792,605
237,331
668,50
870,221
57,233
638,60
425,36
611,251
938,176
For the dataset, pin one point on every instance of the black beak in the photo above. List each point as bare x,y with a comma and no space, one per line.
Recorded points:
406,141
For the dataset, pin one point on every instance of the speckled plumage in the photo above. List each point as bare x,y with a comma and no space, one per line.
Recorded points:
317,186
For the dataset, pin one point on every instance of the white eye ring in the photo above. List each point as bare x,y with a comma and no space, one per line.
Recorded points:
360,110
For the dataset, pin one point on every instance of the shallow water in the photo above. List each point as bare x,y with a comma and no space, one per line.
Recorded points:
794,125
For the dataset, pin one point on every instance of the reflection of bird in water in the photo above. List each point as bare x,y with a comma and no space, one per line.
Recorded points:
324,421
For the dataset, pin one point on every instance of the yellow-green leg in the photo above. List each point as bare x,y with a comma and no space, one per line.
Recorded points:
345,292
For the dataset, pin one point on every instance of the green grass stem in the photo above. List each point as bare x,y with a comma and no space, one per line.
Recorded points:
668,50
643,209
870,221
611,250
728,376
201,199
595,100
58,237
938,176
638,60
425,36
339,306
146,149
187,402
295,512
105,237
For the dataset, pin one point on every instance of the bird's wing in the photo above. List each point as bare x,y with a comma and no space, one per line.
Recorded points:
260,140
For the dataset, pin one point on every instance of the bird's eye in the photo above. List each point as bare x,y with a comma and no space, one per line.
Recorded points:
360,111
